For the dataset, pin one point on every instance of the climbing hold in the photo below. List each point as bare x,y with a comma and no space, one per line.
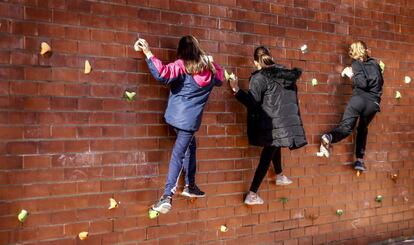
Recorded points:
340,212
304,48
398,95
83,235
314,82
229,76
152,214
358,173
382,66
283,200
113,203
130,96
223,228
22,215
394,177
137,46
407,79
45,48
379,198
88,67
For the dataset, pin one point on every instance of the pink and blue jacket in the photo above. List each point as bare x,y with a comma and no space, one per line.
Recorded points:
188,93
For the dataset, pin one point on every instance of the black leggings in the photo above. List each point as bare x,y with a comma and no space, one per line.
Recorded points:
357,107
269,153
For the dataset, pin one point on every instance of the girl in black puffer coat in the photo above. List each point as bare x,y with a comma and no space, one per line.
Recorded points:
273,118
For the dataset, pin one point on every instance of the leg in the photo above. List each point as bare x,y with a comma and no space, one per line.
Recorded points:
261,170
277,160
182,142
346,125
189,163
362,133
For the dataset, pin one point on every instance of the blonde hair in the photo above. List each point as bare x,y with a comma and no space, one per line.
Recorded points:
358,50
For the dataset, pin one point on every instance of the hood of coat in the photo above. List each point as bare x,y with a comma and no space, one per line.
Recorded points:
285,77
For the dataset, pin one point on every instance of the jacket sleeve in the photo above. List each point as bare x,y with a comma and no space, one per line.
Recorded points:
165,73
253,97
219,74
359,79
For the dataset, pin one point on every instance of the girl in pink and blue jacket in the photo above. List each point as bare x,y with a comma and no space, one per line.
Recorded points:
191,79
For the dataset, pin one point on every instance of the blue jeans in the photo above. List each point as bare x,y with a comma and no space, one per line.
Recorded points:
183,158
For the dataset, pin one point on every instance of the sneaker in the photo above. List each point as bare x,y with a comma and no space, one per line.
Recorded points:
325,144
358,165
163,205
253,199
283,180
192,191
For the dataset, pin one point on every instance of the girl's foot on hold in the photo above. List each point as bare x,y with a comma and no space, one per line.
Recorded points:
325,145
283,180
192,191
253,199
163,205
359,165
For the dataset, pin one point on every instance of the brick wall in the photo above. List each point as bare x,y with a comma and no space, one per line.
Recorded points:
70,141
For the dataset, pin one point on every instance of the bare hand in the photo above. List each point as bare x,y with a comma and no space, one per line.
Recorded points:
234,84
142,44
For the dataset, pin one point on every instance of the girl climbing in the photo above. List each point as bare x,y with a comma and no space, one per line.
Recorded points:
273,118
365,101
191,79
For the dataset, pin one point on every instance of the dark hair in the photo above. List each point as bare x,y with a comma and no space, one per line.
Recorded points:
263,57
194,57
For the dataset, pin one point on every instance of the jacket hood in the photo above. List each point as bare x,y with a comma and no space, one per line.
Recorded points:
285,77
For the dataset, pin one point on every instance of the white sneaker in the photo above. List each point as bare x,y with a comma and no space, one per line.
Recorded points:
283,180
324,150
253,199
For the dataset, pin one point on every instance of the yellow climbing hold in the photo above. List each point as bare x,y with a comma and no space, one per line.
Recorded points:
88,67
223,228
130,95
45,48
230,76
22,215
398,95
112,203
152,214
382,66
83,235
314,82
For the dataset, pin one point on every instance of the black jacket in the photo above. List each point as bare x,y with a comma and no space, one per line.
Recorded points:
367,80
273,116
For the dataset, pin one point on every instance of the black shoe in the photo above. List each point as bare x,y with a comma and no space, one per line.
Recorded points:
192,191
163,205
358,165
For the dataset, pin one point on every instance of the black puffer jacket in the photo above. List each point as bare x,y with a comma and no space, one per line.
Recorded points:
367,80
273,116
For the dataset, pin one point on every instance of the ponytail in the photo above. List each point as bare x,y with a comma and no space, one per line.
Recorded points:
263,57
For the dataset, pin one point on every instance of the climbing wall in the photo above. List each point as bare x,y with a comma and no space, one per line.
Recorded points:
84,149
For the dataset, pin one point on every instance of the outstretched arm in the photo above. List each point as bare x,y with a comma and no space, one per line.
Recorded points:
163,73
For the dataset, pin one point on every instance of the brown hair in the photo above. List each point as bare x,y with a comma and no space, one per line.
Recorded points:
195,59
358,50
263,57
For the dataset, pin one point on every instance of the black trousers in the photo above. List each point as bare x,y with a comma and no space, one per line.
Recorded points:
269,153
365,110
